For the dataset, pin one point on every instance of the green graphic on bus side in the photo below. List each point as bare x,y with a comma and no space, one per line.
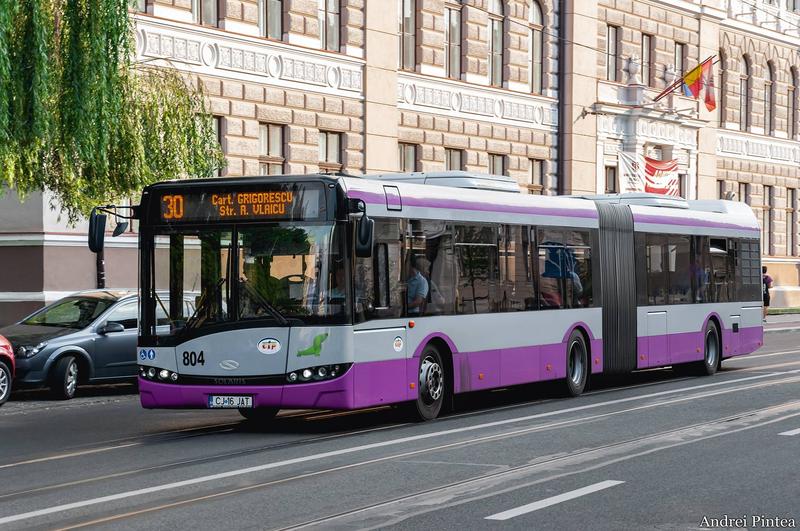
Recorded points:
316,348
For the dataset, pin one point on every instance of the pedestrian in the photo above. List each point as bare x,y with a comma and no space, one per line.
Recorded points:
766,284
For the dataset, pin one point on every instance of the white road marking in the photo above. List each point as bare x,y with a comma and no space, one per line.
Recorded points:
786,329
553,500
767,355
791,432
364,447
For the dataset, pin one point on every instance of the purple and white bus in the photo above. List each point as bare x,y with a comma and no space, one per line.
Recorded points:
339,292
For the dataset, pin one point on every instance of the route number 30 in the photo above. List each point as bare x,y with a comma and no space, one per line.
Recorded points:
172,207
193,358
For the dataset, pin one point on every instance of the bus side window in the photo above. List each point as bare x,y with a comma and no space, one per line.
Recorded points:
377,278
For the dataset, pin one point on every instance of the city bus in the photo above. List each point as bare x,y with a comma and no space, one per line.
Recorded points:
344,292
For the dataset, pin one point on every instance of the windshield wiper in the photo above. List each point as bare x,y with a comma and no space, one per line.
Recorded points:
194,321
275,312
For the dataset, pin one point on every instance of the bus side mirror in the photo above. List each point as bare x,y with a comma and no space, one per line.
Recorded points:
97,231
364,233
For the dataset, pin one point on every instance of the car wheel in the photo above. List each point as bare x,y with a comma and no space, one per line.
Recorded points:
577,364
64,381
432,385
5,383
260,414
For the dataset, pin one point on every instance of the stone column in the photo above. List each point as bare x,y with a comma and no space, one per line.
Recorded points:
380,88
707,136
580,92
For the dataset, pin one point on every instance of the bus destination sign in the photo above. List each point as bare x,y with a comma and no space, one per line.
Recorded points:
277,204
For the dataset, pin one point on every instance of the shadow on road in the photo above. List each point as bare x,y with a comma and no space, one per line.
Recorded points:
83,391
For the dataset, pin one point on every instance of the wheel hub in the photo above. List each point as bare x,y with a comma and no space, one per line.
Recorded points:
431,382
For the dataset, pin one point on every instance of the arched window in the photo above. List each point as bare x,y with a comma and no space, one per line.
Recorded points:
744,94
769,100
792,105
536,46
723,87
496,31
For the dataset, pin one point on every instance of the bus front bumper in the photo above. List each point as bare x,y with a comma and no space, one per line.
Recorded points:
333,394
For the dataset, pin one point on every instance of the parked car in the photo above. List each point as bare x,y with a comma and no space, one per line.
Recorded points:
6,369
87,337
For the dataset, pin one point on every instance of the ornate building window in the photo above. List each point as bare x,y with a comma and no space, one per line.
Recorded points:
329,16
536,47
791,221
453,159
452,42
408,35
792,105
270,20
723,87
205,12
680,59
270,154
766,220
648,59
744,95
769,100
496,34
612,53
536,185
407,155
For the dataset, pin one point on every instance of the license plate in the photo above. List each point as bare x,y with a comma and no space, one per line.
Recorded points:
229,402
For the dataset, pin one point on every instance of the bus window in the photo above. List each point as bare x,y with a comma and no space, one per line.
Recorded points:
680,277
551,269
577,262
722,278
516,277
437,263
378,286
476,268
655,252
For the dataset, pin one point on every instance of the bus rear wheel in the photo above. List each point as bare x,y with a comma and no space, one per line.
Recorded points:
259,415
711,351
577,364
432,385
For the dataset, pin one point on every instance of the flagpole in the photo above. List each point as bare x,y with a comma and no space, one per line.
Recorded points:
677,82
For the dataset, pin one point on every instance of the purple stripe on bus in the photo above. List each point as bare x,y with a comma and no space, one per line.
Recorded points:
689,346
455,204
688,222
385,382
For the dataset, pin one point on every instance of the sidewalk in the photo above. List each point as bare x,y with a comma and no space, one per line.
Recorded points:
782,323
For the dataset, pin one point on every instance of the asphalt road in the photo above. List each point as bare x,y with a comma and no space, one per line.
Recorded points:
656,450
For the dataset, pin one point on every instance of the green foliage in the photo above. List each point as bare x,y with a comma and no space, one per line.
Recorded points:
79,118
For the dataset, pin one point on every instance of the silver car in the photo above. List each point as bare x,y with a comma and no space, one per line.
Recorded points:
87,337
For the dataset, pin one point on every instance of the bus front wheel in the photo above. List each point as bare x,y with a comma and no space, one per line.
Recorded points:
432,385
577,364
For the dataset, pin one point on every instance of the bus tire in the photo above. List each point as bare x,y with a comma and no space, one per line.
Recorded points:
432,385
259,415
577,364
64,378
711,351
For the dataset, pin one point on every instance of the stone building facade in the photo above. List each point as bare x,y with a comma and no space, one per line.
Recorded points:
548,92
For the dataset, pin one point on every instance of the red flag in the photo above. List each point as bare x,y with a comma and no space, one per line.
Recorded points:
711,100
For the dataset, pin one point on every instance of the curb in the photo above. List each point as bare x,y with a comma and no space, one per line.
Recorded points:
780,330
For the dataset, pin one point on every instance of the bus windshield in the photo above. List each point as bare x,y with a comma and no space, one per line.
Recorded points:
276,273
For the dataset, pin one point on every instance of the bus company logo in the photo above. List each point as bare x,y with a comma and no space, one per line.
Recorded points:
229,365
269,345
397,344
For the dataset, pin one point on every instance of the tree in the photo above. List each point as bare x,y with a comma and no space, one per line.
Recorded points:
80,118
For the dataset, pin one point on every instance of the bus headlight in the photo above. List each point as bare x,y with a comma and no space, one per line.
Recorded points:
318,373
155,374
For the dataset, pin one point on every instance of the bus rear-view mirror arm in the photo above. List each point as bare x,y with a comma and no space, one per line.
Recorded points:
365,228
97,224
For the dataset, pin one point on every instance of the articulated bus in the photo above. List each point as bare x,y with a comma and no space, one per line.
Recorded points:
342,292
